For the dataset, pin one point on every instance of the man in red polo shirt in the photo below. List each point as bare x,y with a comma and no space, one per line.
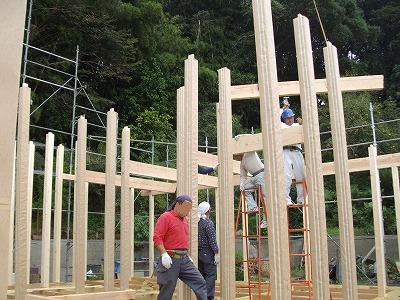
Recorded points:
171,239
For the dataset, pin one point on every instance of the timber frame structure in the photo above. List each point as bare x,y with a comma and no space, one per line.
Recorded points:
185,178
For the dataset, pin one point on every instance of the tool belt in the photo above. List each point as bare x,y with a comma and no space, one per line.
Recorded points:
177,254
291,148
258,172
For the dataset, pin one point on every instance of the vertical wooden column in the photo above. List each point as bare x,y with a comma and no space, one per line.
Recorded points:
151,232
12,20
126,212
22,175
245,230
109,218
58,195
12,222
46,224
80,209
225,186
29,206
273,153
312,146
379,232
343,191
396,193
187,160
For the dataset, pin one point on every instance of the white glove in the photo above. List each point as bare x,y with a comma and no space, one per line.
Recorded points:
166,260
217,259
190,258
242,187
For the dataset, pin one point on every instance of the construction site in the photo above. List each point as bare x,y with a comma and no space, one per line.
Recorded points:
270,256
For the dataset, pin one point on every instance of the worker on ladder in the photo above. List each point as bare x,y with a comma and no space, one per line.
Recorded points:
293,159
251,163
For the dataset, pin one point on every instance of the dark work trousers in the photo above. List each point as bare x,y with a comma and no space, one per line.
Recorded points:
208,269
186,271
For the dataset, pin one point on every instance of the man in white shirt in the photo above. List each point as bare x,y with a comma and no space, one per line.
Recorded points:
251,163
293,160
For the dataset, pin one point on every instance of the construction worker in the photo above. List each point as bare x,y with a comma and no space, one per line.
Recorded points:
293,159
251,163
171,239
208,248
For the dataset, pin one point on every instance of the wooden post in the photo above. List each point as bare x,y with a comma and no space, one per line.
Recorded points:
273,154
245,230
379,232
46,224
187,160
80,209
343,191
109,218
126,212
22,175
12,20
132,233
225,186
313,158
396,193
217,228
11,274
29,206
58,195
151,232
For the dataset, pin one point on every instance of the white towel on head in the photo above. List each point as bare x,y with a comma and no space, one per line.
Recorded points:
203,208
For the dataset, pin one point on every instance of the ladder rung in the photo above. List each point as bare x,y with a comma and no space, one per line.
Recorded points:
299,254
296,206
255,236
255,260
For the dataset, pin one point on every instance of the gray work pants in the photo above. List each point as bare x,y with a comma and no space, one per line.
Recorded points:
186,271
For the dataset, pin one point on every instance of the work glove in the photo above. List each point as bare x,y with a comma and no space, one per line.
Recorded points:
166,260
217,259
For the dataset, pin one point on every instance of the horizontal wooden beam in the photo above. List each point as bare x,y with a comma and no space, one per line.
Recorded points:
291,88
115,295
362,164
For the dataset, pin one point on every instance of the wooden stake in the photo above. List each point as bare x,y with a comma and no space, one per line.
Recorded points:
46,224
126,213
58,196
80,209
378,222
11,273
22,175
29,206
273,154
225,183
343,191
109,218
313,158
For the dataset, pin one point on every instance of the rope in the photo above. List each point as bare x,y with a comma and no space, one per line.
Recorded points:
320,22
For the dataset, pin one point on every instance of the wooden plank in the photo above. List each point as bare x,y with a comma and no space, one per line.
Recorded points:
109,217
396,193
313,159
154,171
126,213
46,223
362,164
211,160
12,20
254,142
343,189
225,185
132,234
80,209
58,196
22,175
151,232
272,148
29,206
292,88
379,232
